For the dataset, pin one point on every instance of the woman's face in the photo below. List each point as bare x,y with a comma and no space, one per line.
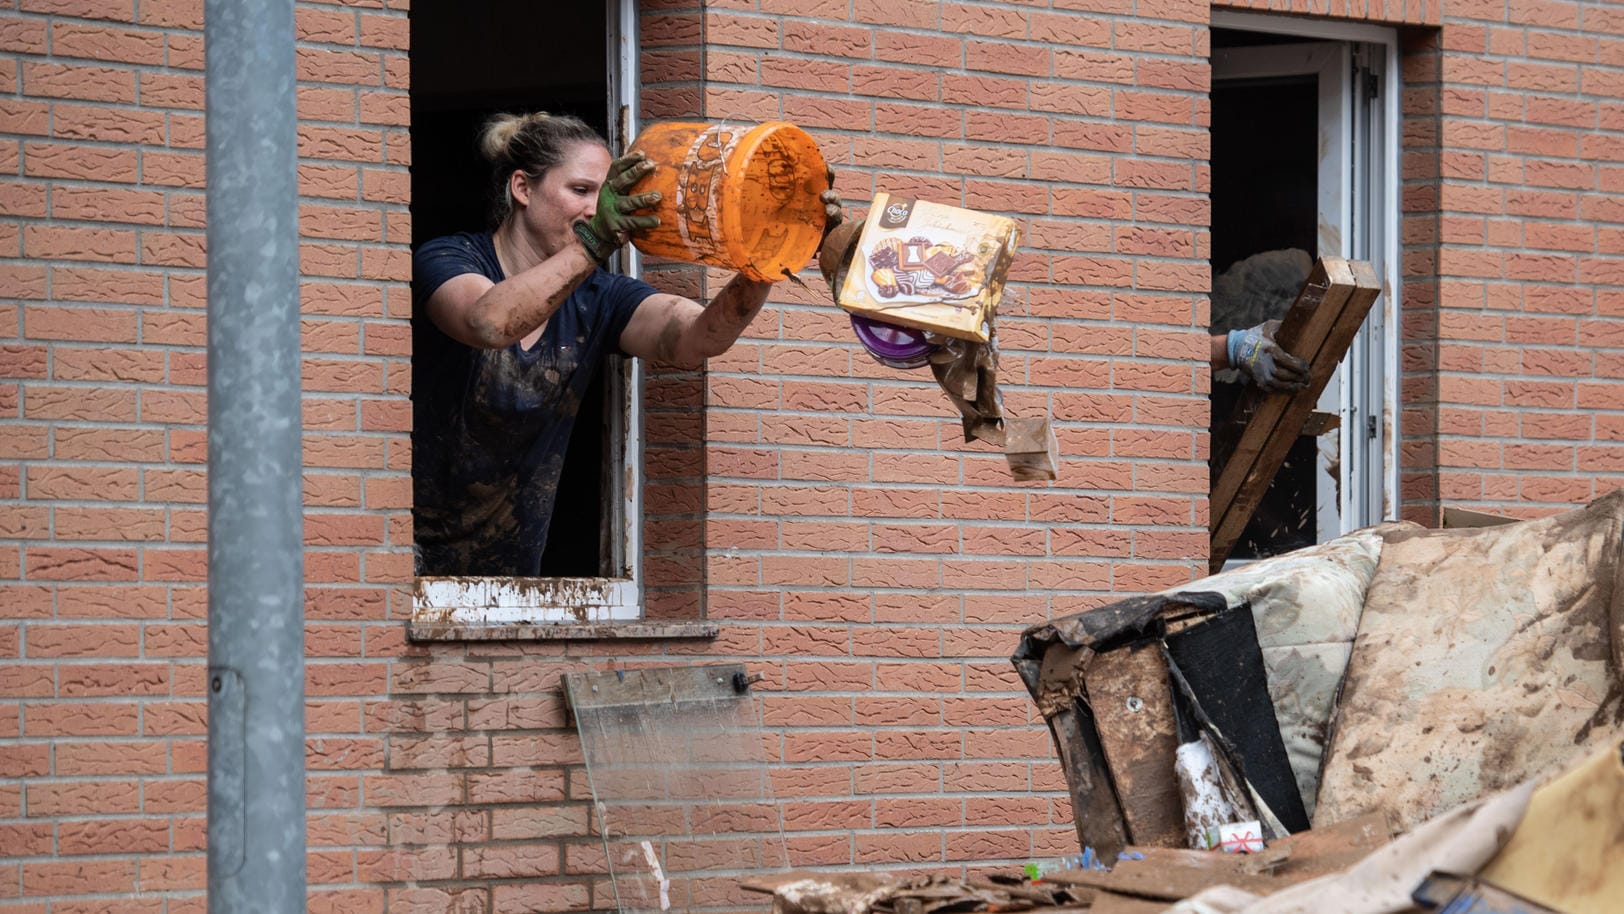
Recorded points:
566,194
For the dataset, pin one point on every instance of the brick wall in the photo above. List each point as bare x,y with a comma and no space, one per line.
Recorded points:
1514,258
873,568
102,481
674,459
885,567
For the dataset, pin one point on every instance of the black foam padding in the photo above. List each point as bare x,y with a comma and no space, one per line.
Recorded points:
1221,660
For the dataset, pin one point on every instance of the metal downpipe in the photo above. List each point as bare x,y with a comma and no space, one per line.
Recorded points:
256,769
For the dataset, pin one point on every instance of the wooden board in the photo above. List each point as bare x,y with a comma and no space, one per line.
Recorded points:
1319,423
1171,875
1094,809
1168,874
1112,903
1322,851
1301,331
1133,712
1318,329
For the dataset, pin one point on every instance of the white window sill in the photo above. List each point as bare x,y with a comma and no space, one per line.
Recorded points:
537,609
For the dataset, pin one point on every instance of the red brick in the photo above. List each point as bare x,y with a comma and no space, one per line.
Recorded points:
325,26
101,43
353,68
384,31
26,117
79,82
44,242
24,36
79,877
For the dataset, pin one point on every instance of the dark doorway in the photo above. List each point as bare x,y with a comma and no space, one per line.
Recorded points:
470,61
1264,228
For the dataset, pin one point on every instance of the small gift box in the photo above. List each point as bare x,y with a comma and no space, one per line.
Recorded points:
1236,837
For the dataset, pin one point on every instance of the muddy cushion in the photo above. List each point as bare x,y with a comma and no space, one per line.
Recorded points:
1306,608
1484,657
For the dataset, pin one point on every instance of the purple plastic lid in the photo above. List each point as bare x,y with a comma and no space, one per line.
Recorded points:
889,344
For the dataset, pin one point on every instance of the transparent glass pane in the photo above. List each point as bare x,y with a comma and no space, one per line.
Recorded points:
679,782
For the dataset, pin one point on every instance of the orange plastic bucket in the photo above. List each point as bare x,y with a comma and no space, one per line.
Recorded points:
735,196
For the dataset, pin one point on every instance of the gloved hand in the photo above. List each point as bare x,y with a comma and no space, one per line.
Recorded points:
833,215
1255,353
614,221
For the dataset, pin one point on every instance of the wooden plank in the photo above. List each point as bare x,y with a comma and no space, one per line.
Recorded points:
1095,812
1301,333
1277,419
1171,875
1365,288
1133,712
1112,903
1227,432
1319,423
1322,851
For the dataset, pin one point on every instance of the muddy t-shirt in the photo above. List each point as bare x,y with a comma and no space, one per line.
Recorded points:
491,426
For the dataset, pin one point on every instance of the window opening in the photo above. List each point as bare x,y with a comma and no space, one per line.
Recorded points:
1302,157
1264,239
468,62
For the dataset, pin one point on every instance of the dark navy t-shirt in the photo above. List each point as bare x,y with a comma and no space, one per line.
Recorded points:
491,426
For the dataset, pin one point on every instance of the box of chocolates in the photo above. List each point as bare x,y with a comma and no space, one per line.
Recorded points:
930,266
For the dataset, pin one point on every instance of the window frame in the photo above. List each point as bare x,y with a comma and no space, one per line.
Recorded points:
464,608
1360,186
1377,346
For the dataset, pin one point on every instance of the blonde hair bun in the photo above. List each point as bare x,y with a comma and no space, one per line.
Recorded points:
496,141
531,143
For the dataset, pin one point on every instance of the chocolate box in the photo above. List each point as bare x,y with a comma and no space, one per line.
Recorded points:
930,266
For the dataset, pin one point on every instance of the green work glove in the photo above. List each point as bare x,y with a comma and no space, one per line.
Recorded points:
1260,358
613,222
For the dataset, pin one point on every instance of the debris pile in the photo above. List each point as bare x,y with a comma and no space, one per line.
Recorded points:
801,892
1303,710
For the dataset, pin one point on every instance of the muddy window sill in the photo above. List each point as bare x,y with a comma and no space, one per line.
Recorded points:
538,609
558,631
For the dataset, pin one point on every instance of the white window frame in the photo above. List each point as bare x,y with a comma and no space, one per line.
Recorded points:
1370,496
447,608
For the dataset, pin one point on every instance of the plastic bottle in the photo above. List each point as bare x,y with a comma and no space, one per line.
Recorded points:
1087,860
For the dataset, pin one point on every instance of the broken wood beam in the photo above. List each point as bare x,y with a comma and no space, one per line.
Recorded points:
1133,713
1318,329
1319,423
1096,814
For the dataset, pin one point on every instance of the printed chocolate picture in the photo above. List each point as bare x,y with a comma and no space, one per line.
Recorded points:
925,269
